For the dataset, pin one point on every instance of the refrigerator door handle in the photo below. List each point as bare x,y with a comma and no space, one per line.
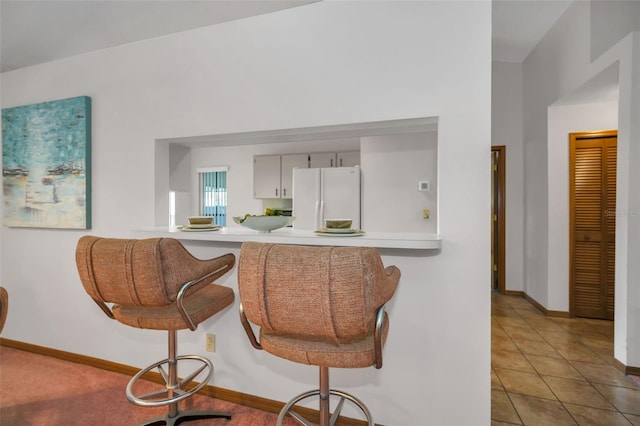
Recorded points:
319,214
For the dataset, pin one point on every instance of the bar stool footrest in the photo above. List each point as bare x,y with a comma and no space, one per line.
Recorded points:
288,408
178,390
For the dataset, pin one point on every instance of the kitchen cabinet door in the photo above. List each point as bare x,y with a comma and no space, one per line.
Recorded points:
348,159
266,176
322,159
288,163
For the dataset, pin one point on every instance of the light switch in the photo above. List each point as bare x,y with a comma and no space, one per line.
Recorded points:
425,213
423,185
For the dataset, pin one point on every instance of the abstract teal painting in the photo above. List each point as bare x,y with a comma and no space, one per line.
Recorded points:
46,164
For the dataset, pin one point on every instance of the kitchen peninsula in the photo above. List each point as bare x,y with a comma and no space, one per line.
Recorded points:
400,218
291,236
413,253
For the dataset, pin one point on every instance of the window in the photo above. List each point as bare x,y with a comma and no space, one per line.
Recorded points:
213,194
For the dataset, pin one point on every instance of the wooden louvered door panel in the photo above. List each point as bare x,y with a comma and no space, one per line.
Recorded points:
592,228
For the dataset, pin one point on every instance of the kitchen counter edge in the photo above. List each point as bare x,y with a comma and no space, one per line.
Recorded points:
291,236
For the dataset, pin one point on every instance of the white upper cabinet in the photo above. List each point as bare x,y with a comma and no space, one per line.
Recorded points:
322,159
266,176
348,159
273,174
288,163
334,159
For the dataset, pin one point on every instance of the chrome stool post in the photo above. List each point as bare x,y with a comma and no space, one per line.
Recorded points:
326,417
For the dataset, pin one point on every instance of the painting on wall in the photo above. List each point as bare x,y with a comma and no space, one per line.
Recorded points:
46,162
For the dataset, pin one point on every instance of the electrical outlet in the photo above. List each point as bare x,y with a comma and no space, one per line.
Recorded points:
425,213
211,342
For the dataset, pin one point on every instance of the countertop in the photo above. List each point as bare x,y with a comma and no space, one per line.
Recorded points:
292,236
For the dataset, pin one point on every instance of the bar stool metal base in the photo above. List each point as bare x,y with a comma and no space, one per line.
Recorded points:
185,416
175,390
288,409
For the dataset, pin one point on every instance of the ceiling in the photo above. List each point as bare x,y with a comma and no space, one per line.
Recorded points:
34,32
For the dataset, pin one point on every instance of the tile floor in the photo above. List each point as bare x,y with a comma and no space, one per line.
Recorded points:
556,371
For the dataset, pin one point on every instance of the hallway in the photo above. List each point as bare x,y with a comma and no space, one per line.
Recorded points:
559,371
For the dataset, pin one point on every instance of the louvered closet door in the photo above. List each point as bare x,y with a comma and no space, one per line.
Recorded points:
593,215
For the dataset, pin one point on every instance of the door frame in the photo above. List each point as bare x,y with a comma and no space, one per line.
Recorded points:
573,137
501,222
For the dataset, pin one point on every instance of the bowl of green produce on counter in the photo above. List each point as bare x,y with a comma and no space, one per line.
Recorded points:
264,223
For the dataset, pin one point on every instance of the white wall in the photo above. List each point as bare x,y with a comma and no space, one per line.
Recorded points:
563,120
506,129
611,21
553,68
179,168
628,286
319,64
558,66
392,166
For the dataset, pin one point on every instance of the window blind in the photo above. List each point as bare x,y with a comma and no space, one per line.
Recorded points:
213,195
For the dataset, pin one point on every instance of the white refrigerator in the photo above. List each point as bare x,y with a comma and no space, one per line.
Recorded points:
326,193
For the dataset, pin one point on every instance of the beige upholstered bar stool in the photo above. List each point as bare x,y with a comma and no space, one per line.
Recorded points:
322,306
157,284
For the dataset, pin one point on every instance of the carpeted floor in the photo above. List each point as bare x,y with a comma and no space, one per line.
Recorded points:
37,390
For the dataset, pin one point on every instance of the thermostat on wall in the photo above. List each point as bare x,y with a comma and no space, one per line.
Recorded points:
423,185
